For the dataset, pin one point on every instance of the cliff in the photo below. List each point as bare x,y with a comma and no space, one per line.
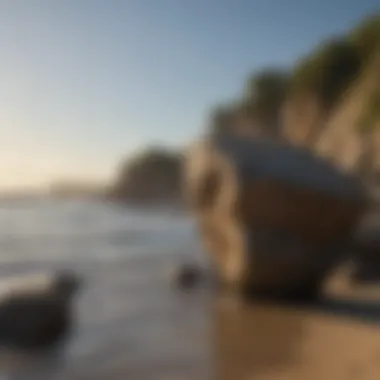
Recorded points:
328,102
335,109
351,137
346,134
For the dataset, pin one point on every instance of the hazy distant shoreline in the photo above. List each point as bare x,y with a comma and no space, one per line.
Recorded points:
174,207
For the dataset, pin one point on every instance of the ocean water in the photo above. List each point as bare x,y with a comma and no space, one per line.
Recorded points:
128,317
45,231
131,323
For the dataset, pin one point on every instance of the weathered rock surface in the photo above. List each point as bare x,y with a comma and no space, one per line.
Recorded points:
274,217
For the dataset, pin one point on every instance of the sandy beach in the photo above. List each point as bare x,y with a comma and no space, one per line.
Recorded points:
133,324
160,333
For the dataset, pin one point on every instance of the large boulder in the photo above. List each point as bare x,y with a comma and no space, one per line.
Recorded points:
35,310
274,217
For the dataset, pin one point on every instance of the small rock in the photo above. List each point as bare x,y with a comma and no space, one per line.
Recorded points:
36,312
187,276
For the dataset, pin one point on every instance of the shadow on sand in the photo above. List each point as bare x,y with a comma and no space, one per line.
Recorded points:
363,311
267,337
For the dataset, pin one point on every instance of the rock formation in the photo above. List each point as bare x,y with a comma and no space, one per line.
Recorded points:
35,311
187,276
275,218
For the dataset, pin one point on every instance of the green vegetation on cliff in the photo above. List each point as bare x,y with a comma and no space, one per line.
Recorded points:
259,106
366,38
265,94
326,74
332,68
222,117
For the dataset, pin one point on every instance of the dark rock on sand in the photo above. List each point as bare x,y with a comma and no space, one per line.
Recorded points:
187,276
36,311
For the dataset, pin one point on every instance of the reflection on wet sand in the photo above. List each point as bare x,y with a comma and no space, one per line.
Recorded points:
29,366
251,340
134,325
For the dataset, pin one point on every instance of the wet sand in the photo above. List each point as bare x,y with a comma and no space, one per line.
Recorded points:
134,325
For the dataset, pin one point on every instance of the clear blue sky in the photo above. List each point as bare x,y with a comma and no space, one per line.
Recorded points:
86,82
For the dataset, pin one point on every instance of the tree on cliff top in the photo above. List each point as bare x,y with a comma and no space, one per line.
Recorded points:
264,96
366,38
222,119
260,104
328,72
332,68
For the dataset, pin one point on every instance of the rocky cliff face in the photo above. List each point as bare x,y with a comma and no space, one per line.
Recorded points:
303,118
337,134
343,140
